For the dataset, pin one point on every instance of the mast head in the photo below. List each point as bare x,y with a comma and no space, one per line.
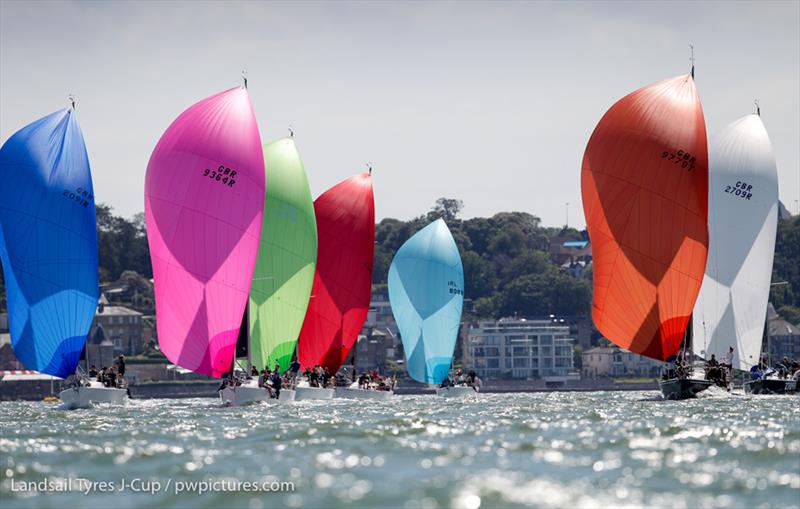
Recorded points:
244,78
691,57
758,107
291,131
72,98
369,168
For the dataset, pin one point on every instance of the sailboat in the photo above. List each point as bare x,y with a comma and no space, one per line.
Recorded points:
48,246
426,293
284,272
342,281
204,201
644,184
743,219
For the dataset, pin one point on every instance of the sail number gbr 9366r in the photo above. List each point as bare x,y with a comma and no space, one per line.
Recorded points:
222,174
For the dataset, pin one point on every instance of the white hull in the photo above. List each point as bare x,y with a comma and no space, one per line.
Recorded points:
456,392
251,393
356,393
86,397
306,393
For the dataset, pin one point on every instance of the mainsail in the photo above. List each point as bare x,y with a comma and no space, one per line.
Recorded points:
204,198
645,196
343,278
48,242
426,292
742,218
287,255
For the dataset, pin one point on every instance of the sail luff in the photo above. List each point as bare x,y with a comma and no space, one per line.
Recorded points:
644,186
343,278
743,216
426,293
284,271
204,198
48,242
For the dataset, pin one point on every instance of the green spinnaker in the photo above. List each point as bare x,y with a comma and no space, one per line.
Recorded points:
286,260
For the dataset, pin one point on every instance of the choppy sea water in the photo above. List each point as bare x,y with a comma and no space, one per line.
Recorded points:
603,449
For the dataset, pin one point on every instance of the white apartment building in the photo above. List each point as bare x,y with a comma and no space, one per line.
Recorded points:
520,348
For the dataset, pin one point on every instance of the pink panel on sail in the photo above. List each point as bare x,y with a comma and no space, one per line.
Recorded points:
204,196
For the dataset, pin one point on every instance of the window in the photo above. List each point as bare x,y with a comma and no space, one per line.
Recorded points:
546,339
492,352
521,351
493,363
520,363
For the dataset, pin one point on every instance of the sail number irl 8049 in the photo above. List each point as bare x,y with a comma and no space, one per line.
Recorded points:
680,157
222,174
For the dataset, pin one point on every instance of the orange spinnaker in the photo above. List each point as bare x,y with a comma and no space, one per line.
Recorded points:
644,183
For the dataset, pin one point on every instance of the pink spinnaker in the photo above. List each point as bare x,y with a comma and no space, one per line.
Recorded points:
204,197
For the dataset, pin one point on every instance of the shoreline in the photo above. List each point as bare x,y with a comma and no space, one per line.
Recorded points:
37,391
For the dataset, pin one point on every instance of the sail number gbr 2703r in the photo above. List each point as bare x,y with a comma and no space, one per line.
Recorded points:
222,174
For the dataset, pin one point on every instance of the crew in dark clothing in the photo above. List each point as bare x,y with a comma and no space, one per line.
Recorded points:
224,382
93,372
294,367
313,378
253,371
109,378
712,369
276,382
121,365
326,376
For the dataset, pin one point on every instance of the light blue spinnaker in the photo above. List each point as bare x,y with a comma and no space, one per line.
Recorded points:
48,242
426,291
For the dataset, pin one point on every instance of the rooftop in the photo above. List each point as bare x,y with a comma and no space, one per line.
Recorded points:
782,328
117,311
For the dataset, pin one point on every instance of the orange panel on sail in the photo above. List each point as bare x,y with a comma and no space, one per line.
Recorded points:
644,183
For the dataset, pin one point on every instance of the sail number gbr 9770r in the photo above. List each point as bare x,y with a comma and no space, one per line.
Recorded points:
222,174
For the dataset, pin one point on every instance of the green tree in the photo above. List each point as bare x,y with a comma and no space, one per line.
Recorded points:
446,208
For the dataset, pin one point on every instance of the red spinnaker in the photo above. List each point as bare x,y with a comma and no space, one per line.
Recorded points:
343,278
645,196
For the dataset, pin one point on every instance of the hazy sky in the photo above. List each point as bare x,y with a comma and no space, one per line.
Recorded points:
492,103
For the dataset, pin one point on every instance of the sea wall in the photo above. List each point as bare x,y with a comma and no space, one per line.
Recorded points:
38,390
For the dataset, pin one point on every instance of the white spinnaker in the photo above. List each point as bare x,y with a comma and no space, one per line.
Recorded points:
742,223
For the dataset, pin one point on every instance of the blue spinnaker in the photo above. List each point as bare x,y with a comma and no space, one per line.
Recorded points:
48,242
426,291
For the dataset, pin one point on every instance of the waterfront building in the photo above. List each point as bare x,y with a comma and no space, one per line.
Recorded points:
596,362
375,350
521,349
380,314
784,341
613,361
565,250
122,326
